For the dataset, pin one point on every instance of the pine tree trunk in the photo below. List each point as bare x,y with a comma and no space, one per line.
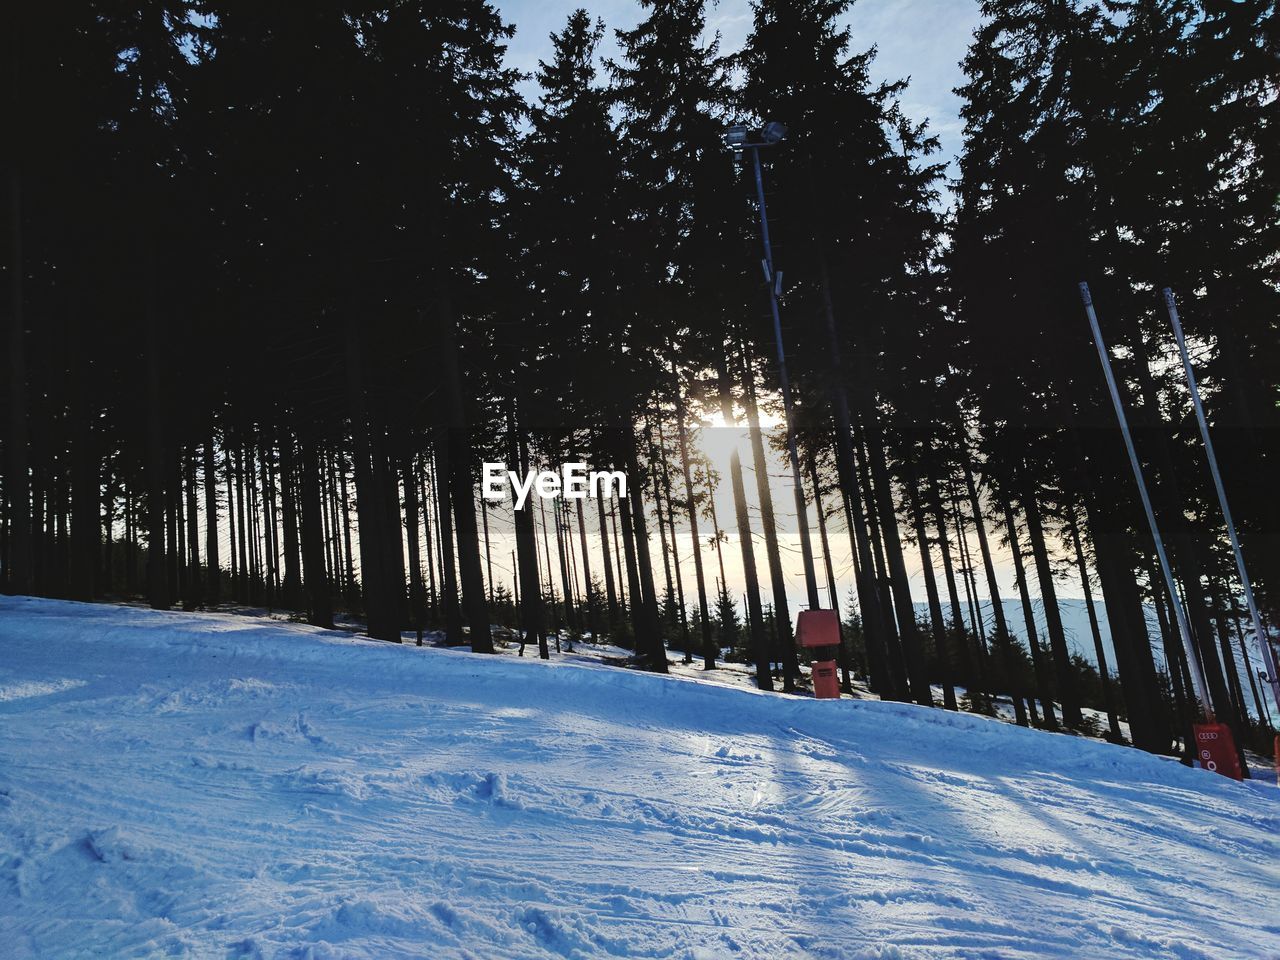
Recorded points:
108,531
213,592
778,580
880,637
417,608
86,529
593,600
611,596
292,588
755,615
931,592
531,606
957,630
913,656
1108,698
231,513
665,475
158,586
1003,638
1039,667
704,618
624,584
1067,695
463,488
193,591
562,555
267,459
846,680
1186,705
488,549
313,570
971,592
893,646
349,589
449,575
649,623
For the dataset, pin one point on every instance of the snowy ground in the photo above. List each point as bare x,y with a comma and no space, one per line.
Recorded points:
217,786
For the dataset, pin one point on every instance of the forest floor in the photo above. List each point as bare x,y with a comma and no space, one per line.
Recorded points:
214,785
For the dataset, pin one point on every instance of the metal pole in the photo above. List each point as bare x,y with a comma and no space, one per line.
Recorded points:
1193,655
1264,641
802,513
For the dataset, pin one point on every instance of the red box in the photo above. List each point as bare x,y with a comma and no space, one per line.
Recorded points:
1216,749
818,628
826,685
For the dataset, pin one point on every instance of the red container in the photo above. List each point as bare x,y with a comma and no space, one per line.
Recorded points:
1216,749
826,685
818,628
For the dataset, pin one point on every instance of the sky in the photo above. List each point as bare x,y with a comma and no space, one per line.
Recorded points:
920,40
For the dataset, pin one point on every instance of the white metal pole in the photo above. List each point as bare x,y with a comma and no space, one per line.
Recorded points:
1193,655
1264,641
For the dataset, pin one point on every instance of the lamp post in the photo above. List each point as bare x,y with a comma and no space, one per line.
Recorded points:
739,139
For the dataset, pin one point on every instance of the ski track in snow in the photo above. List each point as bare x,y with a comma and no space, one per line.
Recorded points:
206,785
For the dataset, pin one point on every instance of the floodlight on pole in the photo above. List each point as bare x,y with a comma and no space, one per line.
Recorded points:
738,138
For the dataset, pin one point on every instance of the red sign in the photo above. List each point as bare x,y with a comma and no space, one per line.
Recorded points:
1216,749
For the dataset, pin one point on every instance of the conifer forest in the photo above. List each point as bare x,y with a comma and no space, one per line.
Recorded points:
281,278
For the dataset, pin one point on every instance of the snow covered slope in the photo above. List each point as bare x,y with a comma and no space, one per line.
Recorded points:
213,786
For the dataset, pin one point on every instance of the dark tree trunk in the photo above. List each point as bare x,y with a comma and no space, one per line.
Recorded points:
877,568
531,608
463,488
349,571
321,610
957,630
158,587
778,580
649,624
900,586
755,615
1003,638
193,591
1039,667
452,609
289,509
1108,696
212,559
931,592
417,608
675,549
846,680
266,458
488,550
704,619
623,583
611,596
593,600
231,513
86,528
1067,695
